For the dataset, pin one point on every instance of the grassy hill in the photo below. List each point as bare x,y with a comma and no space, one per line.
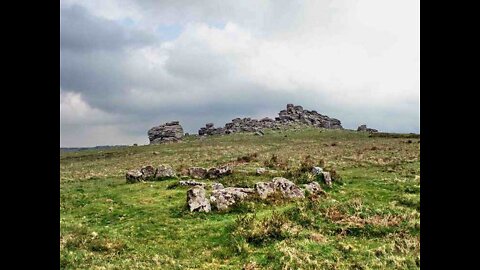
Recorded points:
369,219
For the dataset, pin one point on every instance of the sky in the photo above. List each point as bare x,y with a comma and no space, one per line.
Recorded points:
129,65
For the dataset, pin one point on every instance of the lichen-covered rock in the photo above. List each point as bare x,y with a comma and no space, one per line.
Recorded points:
197,201
169,132
317,170
164,171
219,172
221,199
191,183
197,172
148,172
260,171
313,188
283,186
327,178
134,176
217,186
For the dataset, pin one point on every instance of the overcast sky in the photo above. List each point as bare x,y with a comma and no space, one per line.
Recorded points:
127,65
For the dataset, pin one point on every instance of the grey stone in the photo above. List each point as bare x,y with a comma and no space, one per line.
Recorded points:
164,171
219,172
217,186
280,185
197,201
197,172
221,199
327,178
134,176
191,183
148,172
317,170
168,132
260,171
314,188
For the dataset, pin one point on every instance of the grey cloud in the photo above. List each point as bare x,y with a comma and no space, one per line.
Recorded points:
81,31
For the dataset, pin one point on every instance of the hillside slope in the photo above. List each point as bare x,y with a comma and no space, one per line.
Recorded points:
369,219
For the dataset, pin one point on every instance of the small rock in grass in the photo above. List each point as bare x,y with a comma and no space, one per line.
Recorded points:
196,200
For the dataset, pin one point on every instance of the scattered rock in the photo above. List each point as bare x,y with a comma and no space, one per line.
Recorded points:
169,132
258,133
221,199
191,183
327,178
317,170
196,200
219,172
261,171
282,185
197,172
148,173
134,176
314,188
164,171
156,153
217,186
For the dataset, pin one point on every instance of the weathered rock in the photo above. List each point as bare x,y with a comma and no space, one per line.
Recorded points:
327,178
221,199
219,172
134,176
197,201
148,172
280,185
364,128
314,188
164,171
169,132
292,116
317,170
191,183
197,172
217,186
260,171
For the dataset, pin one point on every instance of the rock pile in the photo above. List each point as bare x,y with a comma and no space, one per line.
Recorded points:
293,115
169,132
364,128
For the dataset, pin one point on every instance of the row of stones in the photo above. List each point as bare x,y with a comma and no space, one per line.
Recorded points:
222,198
149,173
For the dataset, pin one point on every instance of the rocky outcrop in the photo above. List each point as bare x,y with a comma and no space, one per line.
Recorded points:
169,132
148,172
293,115
365,129
197,201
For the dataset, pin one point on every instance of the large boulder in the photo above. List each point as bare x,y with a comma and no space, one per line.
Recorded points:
169,132
197,201
134,176
164,172
221,199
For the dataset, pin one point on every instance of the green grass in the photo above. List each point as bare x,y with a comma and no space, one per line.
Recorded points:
368,220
